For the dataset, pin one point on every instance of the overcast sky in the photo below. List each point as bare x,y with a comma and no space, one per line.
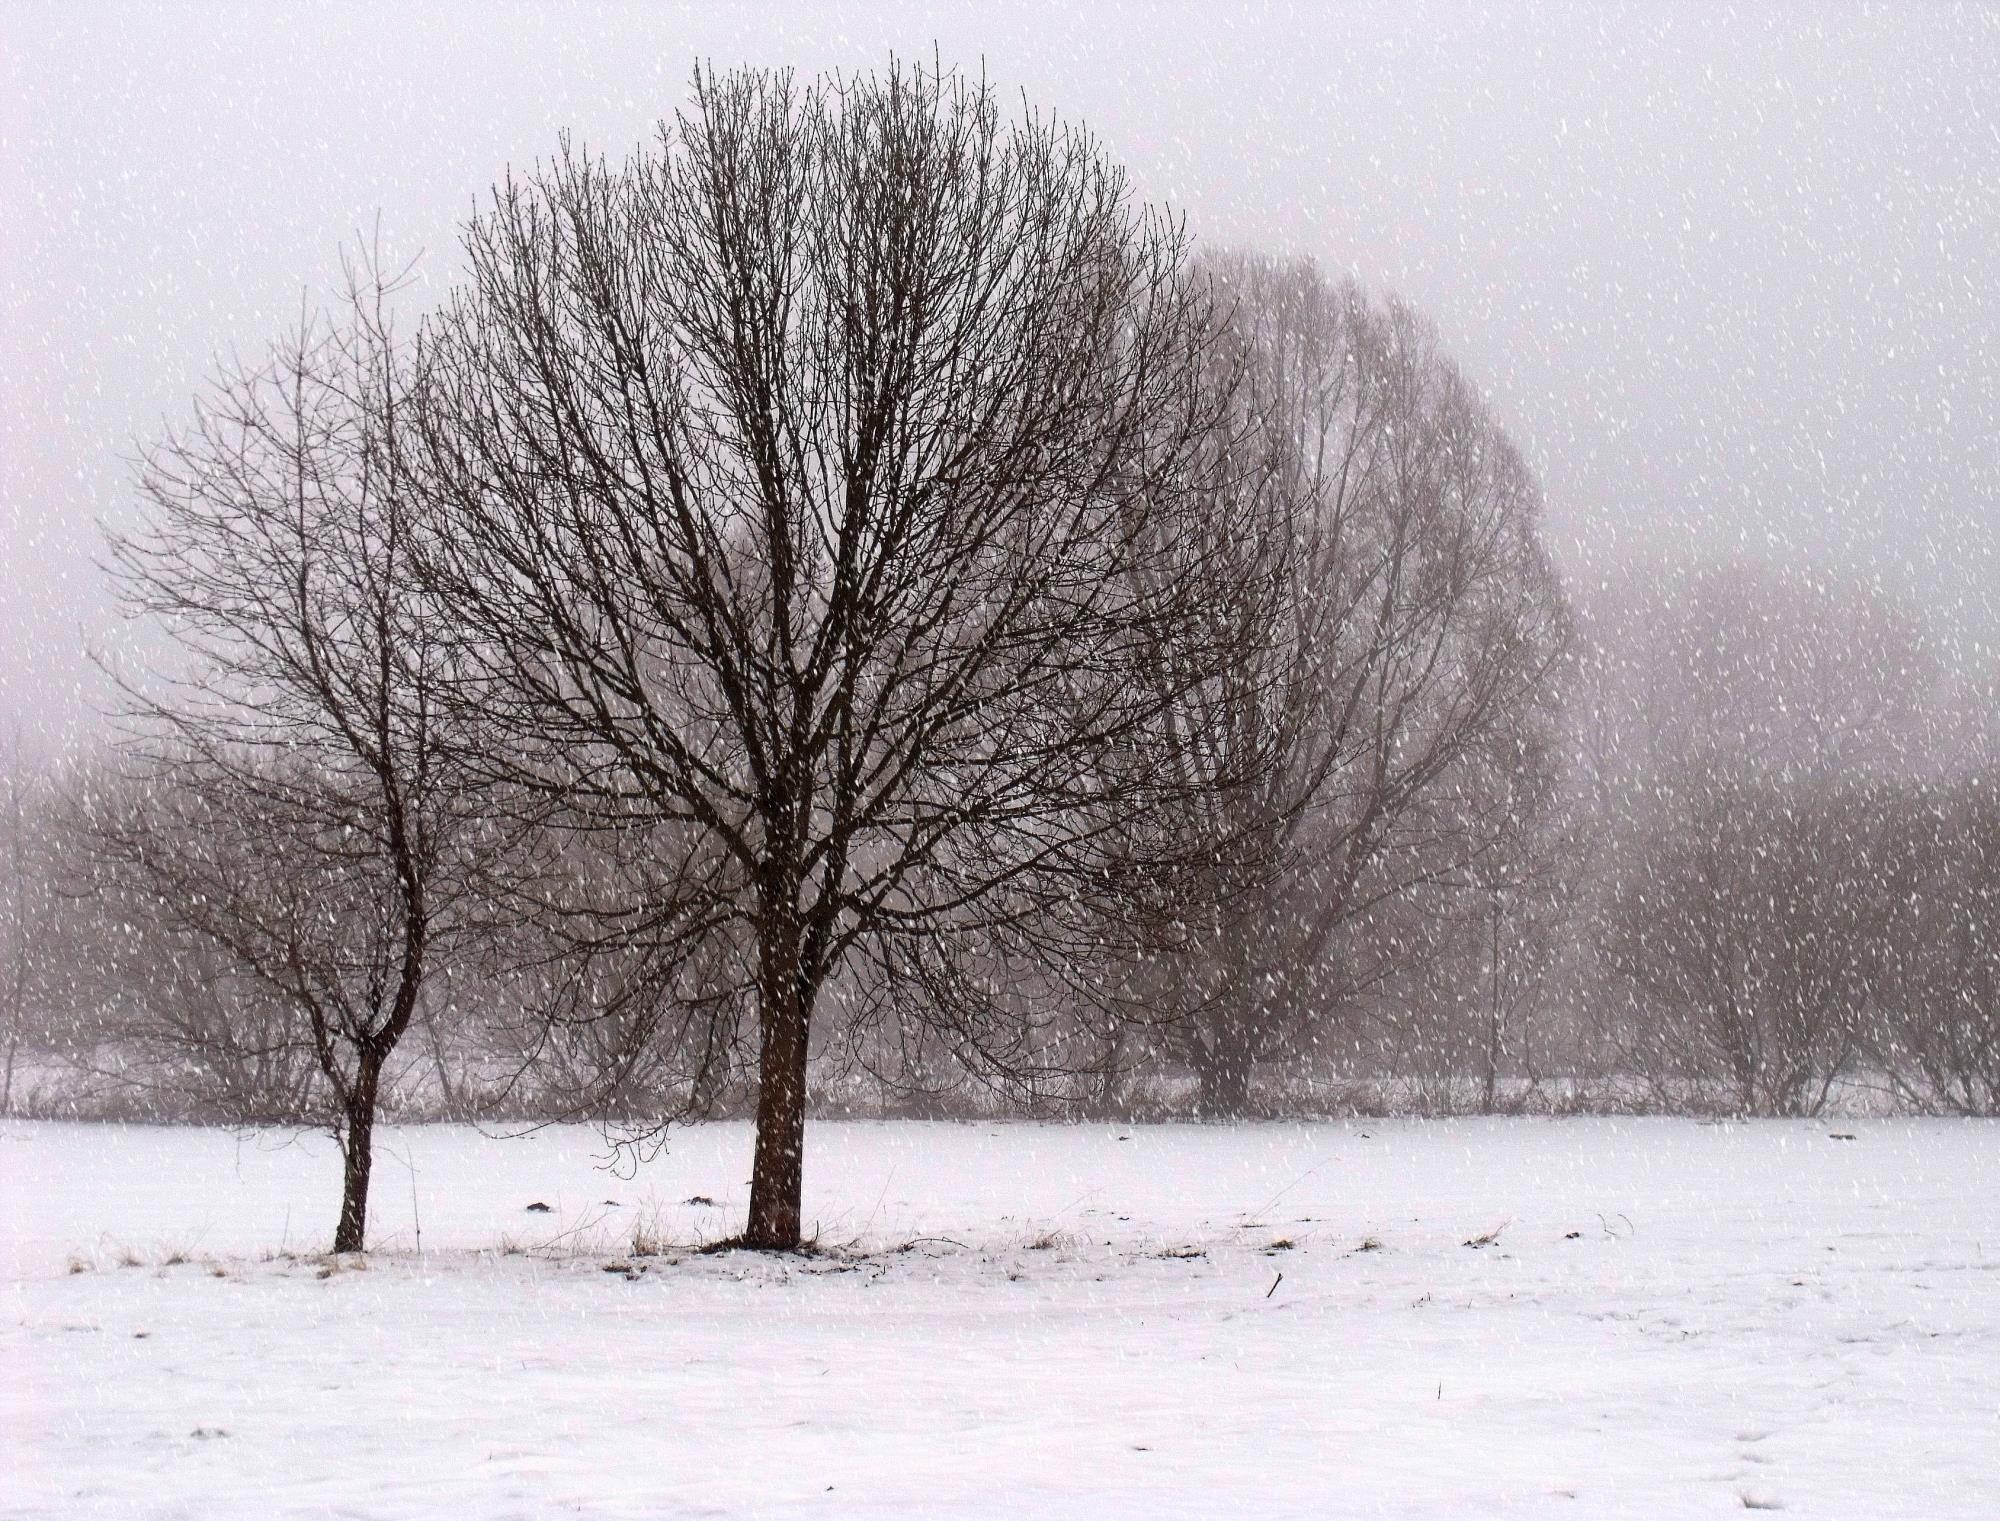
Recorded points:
1733,280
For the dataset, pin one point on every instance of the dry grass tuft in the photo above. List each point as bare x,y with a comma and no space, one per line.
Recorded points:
649,1239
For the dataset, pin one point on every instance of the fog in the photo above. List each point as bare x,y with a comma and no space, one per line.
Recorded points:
1731,279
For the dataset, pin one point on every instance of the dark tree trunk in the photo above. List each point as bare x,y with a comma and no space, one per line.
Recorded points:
777,1174
1495,1020
7,1081
372,1055
1234,1028
358,1158
1224,1073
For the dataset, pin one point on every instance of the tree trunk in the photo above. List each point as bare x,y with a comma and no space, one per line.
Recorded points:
1495,1020
7,1081
1235,1030
358,1158
777,1175
1224,1073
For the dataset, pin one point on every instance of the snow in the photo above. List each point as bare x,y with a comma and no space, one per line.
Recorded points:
1676,1319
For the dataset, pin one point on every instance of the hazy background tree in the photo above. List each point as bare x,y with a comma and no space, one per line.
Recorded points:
1695,670
1738,731
1938,1040
1750,939
1466,1014
27,912
158,1013
1380,699
595,1005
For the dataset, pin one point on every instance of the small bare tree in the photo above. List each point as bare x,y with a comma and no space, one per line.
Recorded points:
1937,1036
1750,936
290,813
800,485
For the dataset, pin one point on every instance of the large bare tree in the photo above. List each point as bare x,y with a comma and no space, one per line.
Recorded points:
801,491
288,811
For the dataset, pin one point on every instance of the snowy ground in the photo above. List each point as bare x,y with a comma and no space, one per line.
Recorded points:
1675,1320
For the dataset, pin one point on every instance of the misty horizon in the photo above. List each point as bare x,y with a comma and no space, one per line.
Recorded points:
1729,280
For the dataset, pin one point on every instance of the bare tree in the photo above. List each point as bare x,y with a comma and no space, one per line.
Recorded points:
1751,935
291,815
1691,671
1410,619
1938,1038
162,1014
1740,731
24,913
1460,1020
799,488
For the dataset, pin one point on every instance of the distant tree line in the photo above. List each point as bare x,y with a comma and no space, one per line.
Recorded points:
847,610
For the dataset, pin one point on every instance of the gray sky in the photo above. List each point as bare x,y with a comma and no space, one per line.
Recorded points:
1734,280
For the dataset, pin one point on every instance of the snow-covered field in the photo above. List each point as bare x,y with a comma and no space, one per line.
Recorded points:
1675,1319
